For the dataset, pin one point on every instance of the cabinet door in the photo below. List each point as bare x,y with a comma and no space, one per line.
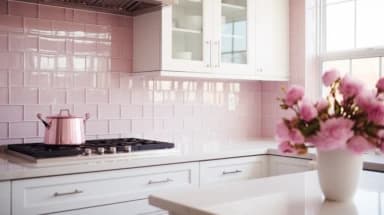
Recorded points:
5,198
285,165
233,169
186,44
140,207
234,37
272,39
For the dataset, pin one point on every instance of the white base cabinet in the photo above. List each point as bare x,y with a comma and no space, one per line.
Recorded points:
286,165
62,193
232,169
5,198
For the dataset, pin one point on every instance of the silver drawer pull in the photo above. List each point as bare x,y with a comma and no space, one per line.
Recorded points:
232,172
56,194
160,182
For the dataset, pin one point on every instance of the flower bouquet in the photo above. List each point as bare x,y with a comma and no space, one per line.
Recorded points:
341,127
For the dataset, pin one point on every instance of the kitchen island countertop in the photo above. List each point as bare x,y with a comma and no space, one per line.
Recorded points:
297,194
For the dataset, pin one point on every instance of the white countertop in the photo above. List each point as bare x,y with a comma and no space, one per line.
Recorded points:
12,168
294,194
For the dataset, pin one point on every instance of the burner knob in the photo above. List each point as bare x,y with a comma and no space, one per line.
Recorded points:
128,148
112,149
100,150
87,151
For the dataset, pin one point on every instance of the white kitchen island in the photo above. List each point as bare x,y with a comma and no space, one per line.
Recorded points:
294,194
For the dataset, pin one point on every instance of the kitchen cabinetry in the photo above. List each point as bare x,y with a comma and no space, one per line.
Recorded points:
198,38
233,169
5,198
61,193
285,165
272,39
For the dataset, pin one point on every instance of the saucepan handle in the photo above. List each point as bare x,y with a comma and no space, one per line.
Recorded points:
40,116
64,110
87,116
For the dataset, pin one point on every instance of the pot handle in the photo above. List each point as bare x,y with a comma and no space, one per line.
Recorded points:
40,116
87,116
64,110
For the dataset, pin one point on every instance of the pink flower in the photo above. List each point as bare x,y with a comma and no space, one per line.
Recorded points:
358,145
294,94
334,134
382,147
286,147
376,112
307,111
365,99
283,133
350,87
330,76
380,84
321,105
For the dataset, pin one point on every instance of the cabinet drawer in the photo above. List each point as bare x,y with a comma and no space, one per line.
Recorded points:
232,169
139,207
53,194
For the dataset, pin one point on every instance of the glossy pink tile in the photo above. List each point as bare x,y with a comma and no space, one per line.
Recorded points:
108,80
47,62
163,111
3,42
4,78
62,80
22,9
32,61
85,80
57,107
76,96
25,95
11,60
107,19
52,45
80,110
131,111
97,96
11,113
4,96
109,111
99,127
83,16
120,126
23,129
3,130
142,125
85,47
37,79
52,12
16,78
121,65
3,7
38,26
30,111
52,96
11,23
79,63
120,96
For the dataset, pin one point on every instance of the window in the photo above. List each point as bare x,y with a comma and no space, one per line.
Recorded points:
352,38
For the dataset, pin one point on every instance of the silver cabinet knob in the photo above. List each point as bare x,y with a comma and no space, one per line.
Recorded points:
100,150
128,148
112,150
87,151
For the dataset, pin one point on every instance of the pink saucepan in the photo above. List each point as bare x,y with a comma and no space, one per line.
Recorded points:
64,128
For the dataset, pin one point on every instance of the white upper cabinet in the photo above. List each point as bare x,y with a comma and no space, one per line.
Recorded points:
208,38
272,39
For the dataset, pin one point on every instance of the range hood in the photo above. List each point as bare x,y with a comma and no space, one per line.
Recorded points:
122,7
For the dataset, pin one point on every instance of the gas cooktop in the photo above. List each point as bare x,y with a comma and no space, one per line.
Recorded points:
122,147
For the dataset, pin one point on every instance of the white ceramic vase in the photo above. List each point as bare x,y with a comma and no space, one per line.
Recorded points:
339,172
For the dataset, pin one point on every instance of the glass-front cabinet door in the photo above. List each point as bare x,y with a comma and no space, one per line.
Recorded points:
187,36
234,36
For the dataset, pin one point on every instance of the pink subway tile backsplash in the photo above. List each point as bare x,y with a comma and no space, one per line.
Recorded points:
52,13
97,96
52,96
4,99
23,95
54,58
30,111
22,9
10,23
83,16
96,127
109,111
3,130
120,126
23,129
